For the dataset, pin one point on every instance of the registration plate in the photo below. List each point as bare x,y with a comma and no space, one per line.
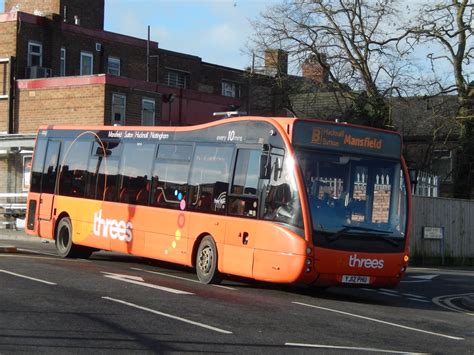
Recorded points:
354,279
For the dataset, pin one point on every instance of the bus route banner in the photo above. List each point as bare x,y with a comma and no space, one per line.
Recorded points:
347,138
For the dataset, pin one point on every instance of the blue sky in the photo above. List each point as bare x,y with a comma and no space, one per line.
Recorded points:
215,30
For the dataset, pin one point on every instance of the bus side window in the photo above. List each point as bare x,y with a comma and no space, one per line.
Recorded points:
281,196
50,170
73,171
170,175
37,168
135,169
243,198
209,180
98,185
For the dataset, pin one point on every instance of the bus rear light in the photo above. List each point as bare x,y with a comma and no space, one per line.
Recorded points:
406,258
309,261
309,250
308,269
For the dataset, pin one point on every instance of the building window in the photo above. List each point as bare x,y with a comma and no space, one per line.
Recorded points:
148,112
87,63
442,164
118,109
62,64
35,54
230,89
176,78
113,66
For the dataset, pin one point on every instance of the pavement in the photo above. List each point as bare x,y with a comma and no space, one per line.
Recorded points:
11,234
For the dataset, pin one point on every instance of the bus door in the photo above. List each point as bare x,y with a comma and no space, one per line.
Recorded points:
48,189
243,206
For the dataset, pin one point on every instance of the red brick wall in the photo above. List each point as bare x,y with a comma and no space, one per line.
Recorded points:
59,105
30,6
7,38
133,106
53,37
90,12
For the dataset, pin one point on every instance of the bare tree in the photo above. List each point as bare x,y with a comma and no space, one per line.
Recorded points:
355,41
449,24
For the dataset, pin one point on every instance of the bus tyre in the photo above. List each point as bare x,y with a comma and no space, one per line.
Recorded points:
206,262
64,245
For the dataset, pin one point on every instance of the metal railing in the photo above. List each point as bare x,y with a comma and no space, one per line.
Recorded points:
13,209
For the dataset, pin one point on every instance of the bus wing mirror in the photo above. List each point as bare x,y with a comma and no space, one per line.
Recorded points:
265,166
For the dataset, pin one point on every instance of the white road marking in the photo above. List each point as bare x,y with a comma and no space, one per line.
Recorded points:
418,300
389,294
27,277
379,321
387,290
139,281
43,258
447,302
412,295
320,346
419,278
180,278
424,277
38,252
169,315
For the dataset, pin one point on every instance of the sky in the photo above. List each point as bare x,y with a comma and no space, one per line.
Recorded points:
215,30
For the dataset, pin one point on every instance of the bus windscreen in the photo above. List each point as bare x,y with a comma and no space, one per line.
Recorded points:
354,197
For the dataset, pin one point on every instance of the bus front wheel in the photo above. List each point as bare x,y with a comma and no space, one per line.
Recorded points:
64,245
206,262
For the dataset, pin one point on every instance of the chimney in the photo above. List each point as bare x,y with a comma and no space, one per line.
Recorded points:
276,61
312,69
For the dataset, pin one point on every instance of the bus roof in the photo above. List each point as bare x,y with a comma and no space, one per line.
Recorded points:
286,123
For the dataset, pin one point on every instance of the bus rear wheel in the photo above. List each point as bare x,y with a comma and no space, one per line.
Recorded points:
64,245
206,262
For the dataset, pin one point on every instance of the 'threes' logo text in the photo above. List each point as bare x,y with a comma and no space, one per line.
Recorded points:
112,228
354,261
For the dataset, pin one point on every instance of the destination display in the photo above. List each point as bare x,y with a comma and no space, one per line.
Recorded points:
345,138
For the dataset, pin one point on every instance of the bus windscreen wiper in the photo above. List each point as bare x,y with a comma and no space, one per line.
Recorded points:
378,233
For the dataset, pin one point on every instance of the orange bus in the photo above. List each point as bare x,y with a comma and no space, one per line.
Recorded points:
282,200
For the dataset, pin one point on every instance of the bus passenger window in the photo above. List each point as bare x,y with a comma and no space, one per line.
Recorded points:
135,169
243,198
37,169
48,182
209,179
281,199
99,185
72,180
170,175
